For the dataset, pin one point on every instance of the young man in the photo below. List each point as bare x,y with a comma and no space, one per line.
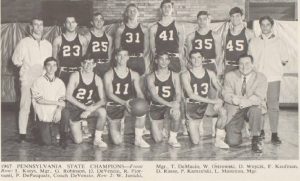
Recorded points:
270,54
69,49
100,45
48,94
133,37
29,55
85,96
121,85
197,82
168,36
236,39
244,94
165,91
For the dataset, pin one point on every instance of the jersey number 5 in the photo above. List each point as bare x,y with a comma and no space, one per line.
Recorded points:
97,48
207,44
67,50
166,91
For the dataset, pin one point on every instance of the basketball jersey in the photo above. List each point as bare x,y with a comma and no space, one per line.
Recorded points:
86,94
123,88
165,89
132,40
166,38
98,47
70,52
205,44
236,45
201,85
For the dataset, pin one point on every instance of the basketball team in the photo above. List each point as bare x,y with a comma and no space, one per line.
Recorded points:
232,77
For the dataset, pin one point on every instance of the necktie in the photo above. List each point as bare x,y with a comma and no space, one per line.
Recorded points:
244,86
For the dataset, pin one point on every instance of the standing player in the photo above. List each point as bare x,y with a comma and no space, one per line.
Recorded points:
197,82
85,96
168,36
133,37
68,49
121,85
100,45
165,91
236,39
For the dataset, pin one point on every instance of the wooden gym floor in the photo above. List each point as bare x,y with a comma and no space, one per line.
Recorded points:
11,150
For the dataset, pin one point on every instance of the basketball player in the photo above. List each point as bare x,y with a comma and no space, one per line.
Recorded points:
133,37
165,91
121,85
69,49
168,36
197,82
85,96
235,39
100,45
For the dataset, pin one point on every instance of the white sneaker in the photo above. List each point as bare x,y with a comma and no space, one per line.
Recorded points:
165,133
100,143
221,144
174,143
201,130
141,143
146,131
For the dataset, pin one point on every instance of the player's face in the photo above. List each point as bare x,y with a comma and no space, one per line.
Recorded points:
122,58
37,27
70,24
132,12
88,65
167,9
51,67
163,61
245,65
203,21
196,60
236,19
266,26
98,22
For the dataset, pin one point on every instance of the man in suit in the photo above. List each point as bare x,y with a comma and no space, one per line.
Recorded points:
244,94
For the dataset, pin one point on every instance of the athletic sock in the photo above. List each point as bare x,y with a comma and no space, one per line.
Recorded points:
98,135
138,133
173,135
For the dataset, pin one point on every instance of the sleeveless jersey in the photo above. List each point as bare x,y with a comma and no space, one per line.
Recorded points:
98,47
70,52
166,38
205,44
86,94
132,40
236,45
123,88
165,89
201,85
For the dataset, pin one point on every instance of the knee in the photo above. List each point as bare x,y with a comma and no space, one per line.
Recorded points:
233,139
175,114
195,140
101,112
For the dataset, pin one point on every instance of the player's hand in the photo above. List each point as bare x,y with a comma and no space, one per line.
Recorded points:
218,104
175,105
85,114
57,116
91,108
128,106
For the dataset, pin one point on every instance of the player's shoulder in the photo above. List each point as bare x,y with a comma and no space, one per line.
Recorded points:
185,74
75,75
190,35
58,39
109,74
134,73
121,28
153,27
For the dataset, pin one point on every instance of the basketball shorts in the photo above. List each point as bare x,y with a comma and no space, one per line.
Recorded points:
115,110
230,66
159,112
65,72
136,64
210,64
175,65
72,112
195,110
101,68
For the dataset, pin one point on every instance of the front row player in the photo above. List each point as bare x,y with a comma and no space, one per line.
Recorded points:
121,85
165,91
196,83
85,99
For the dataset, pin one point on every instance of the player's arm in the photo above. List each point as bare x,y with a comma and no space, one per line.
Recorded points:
219,52
249,34
56,46
177,87
110,42
84,42
152,35
214,80
100,92
146,40
108,78
19,54
118,36
88,36
180,31
153,91
73,82
189,45
136,83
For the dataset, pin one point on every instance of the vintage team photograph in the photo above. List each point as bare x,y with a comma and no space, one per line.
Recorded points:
149,80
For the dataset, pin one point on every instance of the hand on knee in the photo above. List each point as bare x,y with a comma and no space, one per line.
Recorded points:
175,114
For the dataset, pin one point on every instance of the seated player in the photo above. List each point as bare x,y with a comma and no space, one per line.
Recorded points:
165,91
122,85
48,94
197,81
85,96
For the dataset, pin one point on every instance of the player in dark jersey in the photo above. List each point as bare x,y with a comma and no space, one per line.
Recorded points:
86,98
165,91
168,36
68,49
235,39
100,44
121,85
196,83
133,37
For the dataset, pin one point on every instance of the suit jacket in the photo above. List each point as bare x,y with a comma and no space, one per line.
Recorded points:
256,90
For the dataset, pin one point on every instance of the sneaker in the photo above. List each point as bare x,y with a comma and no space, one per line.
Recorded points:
165,133
262,134
146,131
100,143
256,145
141,143
63,143
201,130
221,144
174,143
275,140
22,138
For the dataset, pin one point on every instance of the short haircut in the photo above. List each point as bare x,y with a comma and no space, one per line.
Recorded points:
236,10
266,18
87,56
202,13
125,17
70,16
113,61
193,52
37,17
97,14
50,59
246,56
161,53
165,2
